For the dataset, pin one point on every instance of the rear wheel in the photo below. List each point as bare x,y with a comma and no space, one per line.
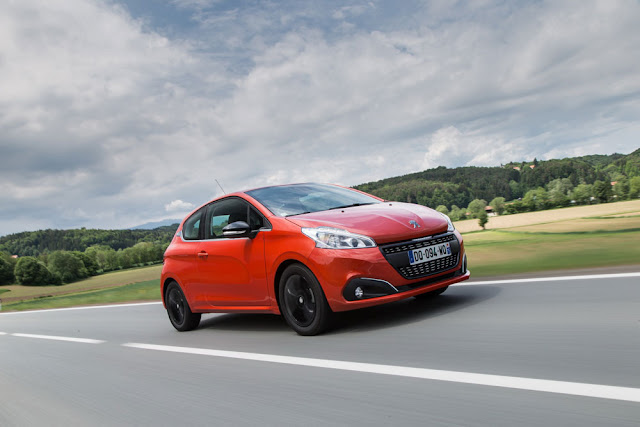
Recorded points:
302,302
431,294
178,309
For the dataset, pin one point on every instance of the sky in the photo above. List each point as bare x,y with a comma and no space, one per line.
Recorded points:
114,113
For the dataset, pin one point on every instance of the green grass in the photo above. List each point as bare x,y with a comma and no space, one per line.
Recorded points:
3,291
142,291
494,252
103,281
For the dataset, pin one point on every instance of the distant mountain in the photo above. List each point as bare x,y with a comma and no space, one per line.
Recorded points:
156,224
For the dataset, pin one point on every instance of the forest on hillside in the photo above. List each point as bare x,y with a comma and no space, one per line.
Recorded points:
34,243
521,186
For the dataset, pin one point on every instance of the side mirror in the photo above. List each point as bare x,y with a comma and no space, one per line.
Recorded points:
237,229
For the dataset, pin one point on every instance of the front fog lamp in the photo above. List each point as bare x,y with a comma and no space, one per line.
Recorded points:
359,292
335,238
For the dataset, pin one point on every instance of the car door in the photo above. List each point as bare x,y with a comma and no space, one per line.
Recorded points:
184,257
232,269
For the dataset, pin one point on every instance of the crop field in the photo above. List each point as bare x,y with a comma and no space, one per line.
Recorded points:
607,235
629,208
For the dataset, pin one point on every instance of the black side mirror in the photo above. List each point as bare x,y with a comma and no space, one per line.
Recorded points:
237,229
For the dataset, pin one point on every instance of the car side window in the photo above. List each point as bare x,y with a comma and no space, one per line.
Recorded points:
223,213
191,227
256,220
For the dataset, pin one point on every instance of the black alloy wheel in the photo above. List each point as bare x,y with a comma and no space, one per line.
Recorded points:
302,301
178,309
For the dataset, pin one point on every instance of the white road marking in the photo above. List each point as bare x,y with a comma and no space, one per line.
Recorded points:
548,386
51,337
3,333
82,308
551,279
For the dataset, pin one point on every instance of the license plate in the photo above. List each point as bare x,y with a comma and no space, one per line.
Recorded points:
418,256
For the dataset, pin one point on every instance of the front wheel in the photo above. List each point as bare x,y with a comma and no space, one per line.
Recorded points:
302,302
178,309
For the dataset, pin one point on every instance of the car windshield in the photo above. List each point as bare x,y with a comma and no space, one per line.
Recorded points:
297,199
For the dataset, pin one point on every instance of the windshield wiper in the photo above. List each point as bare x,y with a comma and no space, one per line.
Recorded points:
299,213
351,205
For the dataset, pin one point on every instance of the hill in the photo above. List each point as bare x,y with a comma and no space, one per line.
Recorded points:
34,243
459,186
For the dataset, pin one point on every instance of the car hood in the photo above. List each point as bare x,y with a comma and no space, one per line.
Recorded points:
383,222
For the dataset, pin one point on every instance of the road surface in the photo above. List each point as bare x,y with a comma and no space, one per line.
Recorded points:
490,353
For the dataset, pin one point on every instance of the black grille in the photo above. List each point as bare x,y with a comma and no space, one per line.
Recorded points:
397,254
416,244
429,267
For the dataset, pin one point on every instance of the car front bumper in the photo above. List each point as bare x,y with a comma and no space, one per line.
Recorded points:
358,278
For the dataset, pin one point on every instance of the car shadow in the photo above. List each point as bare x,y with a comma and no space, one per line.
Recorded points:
390,315
412,310
245,322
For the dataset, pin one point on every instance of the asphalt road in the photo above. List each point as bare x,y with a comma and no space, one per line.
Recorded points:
470,357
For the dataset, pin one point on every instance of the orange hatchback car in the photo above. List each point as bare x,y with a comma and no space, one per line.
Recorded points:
306,251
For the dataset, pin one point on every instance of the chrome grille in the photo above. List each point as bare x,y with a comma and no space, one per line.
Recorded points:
429,267
397,254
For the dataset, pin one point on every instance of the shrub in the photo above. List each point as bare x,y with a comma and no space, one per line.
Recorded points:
67,266
6,272
31,272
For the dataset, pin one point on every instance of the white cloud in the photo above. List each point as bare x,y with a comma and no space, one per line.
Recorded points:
104,118
179,206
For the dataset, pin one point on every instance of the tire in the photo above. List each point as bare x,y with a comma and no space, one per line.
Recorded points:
431,294
180,315
302,302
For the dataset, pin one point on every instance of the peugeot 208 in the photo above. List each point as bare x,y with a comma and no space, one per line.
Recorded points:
306,251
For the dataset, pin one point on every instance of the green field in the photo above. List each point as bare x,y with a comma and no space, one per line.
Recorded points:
142,291
108,280
497,252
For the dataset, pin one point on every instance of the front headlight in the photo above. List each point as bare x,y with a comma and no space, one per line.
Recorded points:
335,238
450,226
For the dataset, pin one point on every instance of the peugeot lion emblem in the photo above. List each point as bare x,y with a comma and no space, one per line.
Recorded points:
414,223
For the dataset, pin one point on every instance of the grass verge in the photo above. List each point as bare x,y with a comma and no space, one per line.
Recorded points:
142,291
492,253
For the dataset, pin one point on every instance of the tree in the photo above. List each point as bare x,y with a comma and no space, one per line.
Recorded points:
89,263
602,191
516,190
536,200
634,187
67,266
456,214
31,272
6,272
476,207
497,204
621,189
513,207
483,218
443,209
558,190
582,194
